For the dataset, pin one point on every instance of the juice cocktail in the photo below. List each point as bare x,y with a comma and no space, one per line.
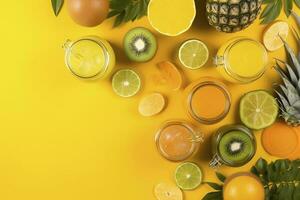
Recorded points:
177,140
89,57
207,100
242,60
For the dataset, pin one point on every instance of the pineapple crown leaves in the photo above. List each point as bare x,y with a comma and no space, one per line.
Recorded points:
281,180
274,7
289,92
127,10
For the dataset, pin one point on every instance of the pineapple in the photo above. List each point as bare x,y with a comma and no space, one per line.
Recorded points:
289,92
232,15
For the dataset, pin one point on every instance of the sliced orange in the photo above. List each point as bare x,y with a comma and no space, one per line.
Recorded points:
171,74
274,34
167,191
280,140
151,104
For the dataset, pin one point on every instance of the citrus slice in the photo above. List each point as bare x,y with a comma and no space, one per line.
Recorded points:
126,83
280,140
171,17
193,54
188,176
151,104
258,109
274,34
171,74
166,191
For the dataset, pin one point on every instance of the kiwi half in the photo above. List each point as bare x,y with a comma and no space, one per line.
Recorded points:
140,45
236,147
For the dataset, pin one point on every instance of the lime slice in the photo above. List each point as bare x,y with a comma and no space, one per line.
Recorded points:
166,191
188,176
126,83
258,109
193,54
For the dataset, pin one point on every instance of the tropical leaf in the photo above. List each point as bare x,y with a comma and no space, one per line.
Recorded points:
127,10
56,6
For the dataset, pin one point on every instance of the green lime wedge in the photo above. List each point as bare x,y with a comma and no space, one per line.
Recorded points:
193,54
258,109
188,176
126,83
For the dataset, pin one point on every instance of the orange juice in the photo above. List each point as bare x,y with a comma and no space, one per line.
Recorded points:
177,140
207,100
242,60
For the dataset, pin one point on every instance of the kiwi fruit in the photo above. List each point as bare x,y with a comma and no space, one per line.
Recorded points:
236,147
140,45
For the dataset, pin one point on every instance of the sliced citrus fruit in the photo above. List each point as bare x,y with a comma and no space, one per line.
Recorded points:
280,140
188,176
167,191
171,74
193,54
274,34
258,109
151,104
126,83
171,17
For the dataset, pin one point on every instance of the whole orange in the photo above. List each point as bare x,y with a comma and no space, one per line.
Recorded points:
88,12
243,186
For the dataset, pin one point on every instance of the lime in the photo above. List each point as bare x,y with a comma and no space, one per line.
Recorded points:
188,176
166,191
126,83
193,54
258,109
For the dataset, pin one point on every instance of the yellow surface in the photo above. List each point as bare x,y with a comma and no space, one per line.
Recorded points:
66,139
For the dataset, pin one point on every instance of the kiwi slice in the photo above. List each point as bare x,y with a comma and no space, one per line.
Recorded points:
140,45
236,147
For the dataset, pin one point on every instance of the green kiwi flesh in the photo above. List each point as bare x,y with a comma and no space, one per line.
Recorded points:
236,147
140,45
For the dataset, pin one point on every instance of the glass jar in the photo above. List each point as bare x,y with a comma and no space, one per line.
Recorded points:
207,100
178,140
241,60
89,57
235,134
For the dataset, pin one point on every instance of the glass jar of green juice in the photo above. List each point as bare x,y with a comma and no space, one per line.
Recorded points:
233,145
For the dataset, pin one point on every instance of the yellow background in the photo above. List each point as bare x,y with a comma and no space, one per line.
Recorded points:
64,138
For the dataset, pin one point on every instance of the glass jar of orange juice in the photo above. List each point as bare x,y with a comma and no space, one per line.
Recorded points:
89,57
178,140
241,60
207,100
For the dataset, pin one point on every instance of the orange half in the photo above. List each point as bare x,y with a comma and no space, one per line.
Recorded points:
280,140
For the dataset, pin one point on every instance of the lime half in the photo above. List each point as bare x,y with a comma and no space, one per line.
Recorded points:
258,109
126,83
167,191
193,54
188,176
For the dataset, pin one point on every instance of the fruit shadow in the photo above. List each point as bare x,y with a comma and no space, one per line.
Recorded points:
204,152
120,55
200,23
